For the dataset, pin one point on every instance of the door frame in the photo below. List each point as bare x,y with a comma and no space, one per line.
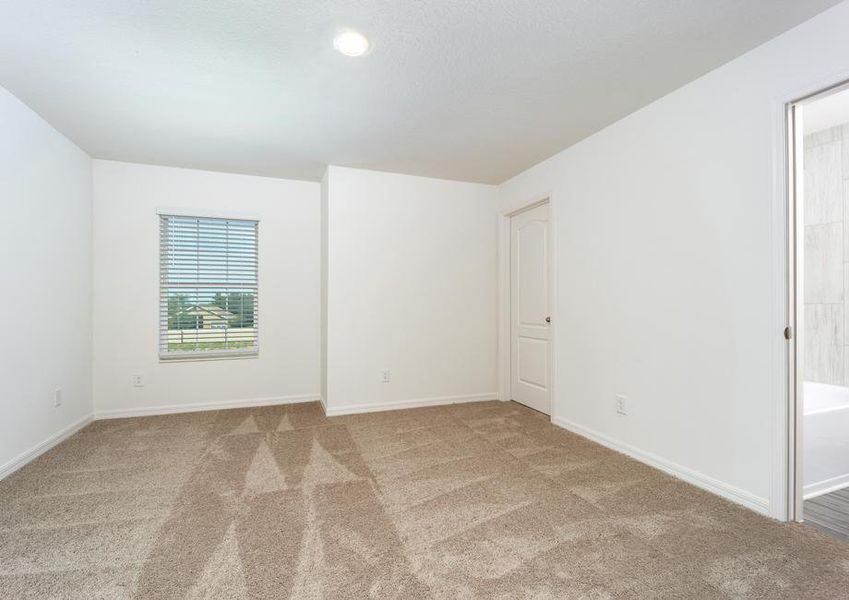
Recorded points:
793,504
504,343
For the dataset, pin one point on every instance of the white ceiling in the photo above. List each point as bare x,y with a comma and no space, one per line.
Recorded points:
474,89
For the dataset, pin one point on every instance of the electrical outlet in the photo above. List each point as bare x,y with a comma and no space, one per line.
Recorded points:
57,397
621,404
386,376
138,379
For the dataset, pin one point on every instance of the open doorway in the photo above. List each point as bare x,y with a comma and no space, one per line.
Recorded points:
819,151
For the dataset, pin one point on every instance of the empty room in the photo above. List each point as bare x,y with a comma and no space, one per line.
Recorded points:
424,299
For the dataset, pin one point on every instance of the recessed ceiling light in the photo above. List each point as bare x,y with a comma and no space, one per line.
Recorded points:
351,43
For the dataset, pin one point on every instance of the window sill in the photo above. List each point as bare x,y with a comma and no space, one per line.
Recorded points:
173,357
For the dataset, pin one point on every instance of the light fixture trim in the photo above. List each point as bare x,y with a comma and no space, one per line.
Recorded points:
351,43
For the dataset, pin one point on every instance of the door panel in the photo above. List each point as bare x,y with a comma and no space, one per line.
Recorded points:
529,330
532,362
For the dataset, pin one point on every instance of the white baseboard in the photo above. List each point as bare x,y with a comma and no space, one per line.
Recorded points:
749,500
147,411
42,447
323,404
820,488
25,457
352,409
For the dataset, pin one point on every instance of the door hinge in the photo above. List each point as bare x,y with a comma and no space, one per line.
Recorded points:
788,333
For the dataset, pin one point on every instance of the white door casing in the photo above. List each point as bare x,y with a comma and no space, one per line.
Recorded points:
529,310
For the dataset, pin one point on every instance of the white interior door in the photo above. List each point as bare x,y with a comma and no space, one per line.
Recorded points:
529,314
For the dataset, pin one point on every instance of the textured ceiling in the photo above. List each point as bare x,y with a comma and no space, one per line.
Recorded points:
474,90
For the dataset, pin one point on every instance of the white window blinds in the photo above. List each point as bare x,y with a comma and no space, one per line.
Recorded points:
208,287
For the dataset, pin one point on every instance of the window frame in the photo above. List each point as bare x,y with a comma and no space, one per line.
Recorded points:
226,354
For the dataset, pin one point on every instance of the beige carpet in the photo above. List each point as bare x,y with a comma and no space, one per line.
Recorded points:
482,500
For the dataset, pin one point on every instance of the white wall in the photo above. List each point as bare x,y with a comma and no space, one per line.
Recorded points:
669,267
126,289
45,248
411,288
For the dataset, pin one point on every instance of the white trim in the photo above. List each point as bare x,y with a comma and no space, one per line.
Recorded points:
146,411
553,286
779,314
820,488
206,213
749,500
503,333
353,409
323,404
42,447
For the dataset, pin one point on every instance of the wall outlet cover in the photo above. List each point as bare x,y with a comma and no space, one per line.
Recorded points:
621,404
138,379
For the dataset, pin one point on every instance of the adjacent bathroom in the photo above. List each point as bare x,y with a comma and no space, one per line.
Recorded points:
825,337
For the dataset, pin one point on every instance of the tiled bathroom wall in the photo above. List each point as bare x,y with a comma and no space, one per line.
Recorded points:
826,271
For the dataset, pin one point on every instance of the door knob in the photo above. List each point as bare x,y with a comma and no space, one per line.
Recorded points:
548,319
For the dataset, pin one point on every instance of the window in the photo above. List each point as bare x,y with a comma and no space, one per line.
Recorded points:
208,287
